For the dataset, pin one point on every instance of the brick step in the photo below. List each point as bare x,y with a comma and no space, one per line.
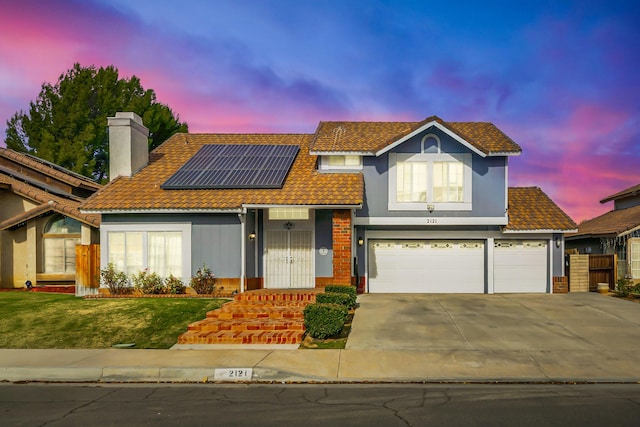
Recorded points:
263,305
214,325
304,295
241,337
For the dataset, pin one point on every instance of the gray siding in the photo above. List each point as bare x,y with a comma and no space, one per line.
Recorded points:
488,182
215,241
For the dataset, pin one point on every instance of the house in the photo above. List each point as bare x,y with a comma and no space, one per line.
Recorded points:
40,223
615,232
394,206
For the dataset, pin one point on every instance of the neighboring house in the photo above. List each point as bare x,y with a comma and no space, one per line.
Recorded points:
615,232
40,223
397,206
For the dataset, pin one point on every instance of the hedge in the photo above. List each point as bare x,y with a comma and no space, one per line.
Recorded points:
324,320
350,291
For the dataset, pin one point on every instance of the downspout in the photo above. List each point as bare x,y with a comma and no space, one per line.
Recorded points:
243,255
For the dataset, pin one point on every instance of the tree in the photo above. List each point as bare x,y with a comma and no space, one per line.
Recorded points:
67,123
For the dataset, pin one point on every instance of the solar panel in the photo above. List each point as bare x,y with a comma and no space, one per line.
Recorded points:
217,166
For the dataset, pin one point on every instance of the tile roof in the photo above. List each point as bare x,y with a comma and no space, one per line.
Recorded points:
53,202
611,224
530,209
303,186
370,137
49,169
631,191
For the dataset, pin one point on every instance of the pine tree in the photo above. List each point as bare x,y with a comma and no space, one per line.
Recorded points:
67,123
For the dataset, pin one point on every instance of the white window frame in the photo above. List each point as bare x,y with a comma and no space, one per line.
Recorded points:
145,228
325,162
430,159
631,260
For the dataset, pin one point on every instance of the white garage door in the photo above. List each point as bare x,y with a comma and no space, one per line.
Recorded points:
426,266
520,266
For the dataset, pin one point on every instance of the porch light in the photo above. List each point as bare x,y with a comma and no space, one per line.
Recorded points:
252,236
360,241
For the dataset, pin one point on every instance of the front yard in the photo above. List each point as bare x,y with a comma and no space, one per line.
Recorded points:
39,320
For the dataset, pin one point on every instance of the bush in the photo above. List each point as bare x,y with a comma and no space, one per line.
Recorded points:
333,298
116,281
148,283
173,285
324,320
346,290
624,287
204,281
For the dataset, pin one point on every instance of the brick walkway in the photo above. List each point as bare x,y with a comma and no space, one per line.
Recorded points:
265,316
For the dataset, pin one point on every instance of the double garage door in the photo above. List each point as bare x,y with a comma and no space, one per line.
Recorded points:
455,266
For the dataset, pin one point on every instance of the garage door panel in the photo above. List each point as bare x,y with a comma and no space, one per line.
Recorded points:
426,266
520,266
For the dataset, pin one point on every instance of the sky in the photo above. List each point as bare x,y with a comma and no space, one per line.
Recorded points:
559,77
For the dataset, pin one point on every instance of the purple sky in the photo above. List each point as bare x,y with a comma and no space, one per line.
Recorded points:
559,77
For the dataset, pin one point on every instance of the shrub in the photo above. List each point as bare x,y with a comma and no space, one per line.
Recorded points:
204,281
116,281
624,287
333,298
148,283
173,285
347,290
324,320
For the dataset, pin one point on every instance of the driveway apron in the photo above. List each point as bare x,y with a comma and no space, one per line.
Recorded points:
576,322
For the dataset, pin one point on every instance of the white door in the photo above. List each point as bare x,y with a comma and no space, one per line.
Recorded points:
520,266
289,259
426,266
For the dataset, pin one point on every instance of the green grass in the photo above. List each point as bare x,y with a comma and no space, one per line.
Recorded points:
39,320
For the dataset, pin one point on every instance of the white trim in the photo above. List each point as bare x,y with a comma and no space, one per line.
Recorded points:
312,207
159,211
488,262
550,248
243,256
434,136
431,220
538,231
422,129
464,158
342,153
183,227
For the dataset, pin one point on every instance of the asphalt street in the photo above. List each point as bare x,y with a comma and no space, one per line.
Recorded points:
563,405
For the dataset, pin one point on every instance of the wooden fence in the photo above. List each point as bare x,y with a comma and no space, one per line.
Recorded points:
603,269
87,269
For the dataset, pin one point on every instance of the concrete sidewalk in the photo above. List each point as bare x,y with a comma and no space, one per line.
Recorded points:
114,365
452,338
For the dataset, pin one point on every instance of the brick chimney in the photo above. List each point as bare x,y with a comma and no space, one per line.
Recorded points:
128,145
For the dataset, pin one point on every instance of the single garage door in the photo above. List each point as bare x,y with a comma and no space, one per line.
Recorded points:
520,266
426,266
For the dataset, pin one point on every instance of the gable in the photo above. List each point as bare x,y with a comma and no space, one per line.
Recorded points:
376,138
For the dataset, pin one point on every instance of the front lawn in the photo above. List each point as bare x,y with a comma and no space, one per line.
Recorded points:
40,320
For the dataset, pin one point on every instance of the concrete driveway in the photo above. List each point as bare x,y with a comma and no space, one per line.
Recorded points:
581,323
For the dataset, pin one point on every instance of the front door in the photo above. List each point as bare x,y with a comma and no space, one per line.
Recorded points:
289,259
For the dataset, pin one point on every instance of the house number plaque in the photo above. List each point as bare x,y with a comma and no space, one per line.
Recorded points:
233,374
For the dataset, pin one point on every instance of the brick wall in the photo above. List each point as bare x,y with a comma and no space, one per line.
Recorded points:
341,232
560,285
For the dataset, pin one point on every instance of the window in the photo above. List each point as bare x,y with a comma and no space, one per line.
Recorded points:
448,181
61,235
161,248
341,162
417,181
288,213
347,160
412,182
633,245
